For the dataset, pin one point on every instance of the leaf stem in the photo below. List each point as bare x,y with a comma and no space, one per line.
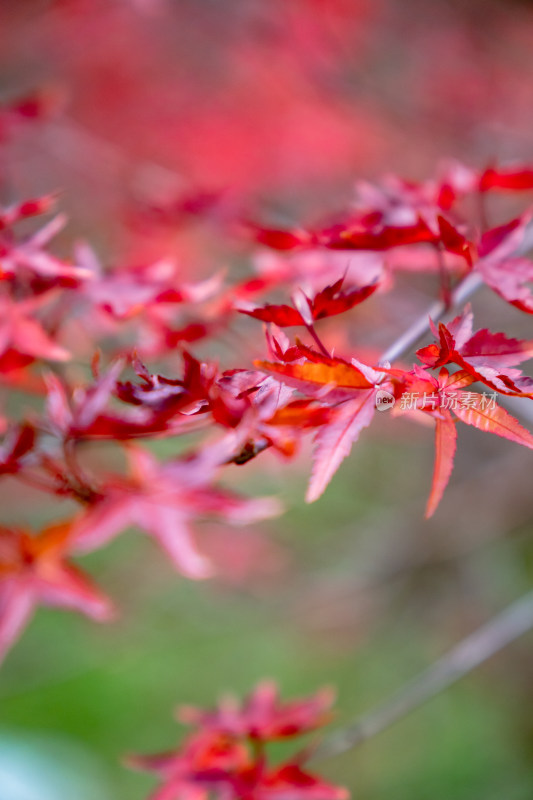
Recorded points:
318,341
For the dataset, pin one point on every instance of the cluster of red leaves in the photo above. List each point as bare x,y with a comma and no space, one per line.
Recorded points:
226,756
294,74
58,310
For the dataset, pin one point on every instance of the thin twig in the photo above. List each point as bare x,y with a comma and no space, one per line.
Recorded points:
465,289
462,659
407,340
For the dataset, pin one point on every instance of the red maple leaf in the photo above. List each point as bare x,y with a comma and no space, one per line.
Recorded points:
291,781
17,443
444,398
488,357
22,337
501,263
28,260
323,377
371,231
163,500
35,570
262,715
327,303
226,757
514,179
28,208
335,439
87,413
279,239
349,389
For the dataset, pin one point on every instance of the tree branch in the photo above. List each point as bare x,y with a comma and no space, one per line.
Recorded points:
466,288
462,659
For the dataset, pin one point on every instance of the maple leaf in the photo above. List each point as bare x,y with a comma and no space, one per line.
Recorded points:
509,179
225,396
262,413
502,264
291,781
204,763
443,398
245,401
493,419
350,391
387,237
323,378
279,239
455,182
85,412
23,336
282,315
312,269
485,355
453,241
459,181
335,439
35,570
496,349
262,715
372,231
264,417
445,446
17,443
189,394
301,413
279,346
127,292
163,499
332,300
327,303
226,757
399,202
28,208
29,256
361,237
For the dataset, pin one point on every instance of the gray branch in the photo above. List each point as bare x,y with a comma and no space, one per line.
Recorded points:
462,659
421,326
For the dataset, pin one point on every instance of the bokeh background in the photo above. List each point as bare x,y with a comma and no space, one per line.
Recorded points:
277,106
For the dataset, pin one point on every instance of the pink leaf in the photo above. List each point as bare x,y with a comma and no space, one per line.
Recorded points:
335,440
494,420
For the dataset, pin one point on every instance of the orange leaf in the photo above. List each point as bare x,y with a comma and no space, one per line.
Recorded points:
343,375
